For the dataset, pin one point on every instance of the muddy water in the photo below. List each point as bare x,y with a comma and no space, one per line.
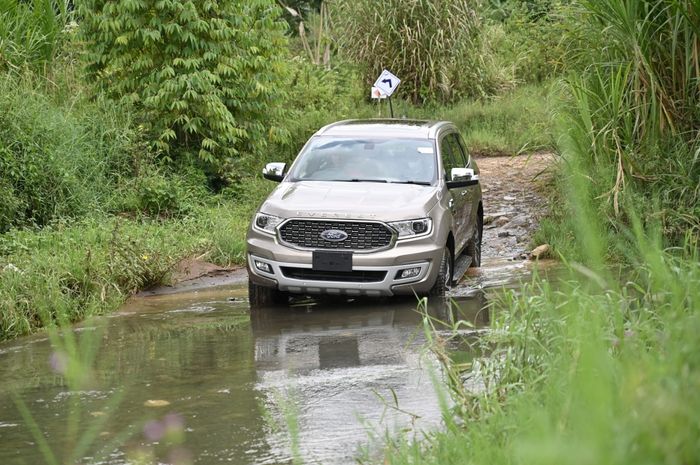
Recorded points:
195,378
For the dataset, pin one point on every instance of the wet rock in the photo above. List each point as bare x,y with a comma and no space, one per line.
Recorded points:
520,220
501,221
540,252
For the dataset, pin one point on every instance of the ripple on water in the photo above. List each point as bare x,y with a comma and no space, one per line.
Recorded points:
83,395
194,309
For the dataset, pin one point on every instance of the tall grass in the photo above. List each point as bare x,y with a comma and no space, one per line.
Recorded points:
434,46
68,272
580,374
59,157
30,32
635,115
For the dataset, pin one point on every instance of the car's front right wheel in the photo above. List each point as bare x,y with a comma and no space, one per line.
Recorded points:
444,278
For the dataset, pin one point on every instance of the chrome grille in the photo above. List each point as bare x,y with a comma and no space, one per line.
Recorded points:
361,235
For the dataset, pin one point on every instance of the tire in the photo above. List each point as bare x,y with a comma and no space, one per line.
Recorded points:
444,278
261,296
474,245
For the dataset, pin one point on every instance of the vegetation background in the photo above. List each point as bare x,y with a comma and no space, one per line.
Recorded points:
132,132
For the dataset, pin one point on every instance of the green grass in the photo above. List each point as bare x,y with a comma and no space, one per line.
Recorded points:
69,271
519,121
579,374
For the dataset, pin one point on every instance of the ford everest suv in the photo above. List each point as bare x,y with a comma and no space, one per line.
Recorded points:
371,208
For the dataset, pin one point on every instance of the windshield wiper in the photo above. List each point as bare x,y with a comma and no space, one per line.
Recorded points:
419,183
360,180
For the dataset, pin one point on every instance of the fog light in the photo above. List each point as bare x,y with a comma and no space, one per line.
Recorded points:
262,266
409,273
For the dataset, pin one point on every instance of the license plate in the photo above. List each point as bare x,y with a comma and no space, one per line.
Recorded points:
331,261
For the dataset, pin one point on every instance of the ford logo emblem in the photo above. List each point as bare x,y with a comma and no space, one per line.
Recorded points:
334,235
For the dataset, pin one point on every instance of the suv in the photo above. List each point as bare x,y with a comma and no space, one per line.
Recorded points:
369,207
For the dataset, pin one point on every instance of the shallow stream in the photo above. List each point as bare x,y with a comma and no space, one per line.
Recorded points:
195,378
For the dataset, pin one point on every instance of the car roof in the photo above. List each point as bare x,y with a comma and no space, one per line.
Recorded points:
399,128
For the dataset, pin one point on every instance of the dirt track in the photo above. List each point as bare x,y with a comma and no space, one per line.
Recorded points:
513,202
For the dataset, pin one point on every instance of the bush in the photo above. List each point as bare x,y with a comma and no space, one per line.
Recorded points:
31,32
58,158
434,46
205,75
158,194
531,37
633,126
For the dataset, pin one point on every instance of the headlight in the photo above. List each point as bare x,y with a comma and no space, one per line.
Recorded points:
413,228
266,223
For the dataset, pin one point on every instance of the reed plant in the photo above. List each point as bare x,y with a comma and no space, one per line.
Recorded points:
434,46
634,118
31,33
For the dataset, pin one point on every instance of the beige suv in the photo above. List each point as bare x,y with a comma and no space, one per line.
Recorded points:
371,208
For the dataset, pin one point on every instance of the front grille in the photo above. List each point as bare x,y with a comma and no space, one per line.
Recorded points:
361,235
341,276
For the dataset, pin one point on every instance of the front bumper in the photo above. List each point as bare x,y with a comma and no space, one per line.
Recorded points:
291,269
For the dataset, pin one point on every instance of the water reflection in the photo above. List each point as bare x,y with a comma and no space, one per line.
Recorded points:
227,381
342,367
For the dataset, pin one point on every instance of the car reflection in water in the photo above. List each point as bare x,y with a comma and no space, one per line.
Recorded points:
338,366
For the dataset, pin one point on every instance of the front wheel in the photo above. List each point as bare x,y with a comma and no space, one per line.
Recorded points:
474,244
444,278
261,296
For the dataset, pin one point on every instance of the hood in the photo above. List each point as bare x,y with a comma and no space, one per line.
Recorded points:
358,200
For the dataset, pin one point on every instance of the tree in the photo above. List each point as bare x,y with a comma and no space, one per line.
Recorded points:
204,74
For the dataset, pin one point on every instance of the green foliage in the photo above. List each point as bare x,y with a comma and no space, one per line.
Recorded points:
434,46
155,193
515,122
205,75
31,32
573,373
58,158
318,97
532,37
634,124
68,271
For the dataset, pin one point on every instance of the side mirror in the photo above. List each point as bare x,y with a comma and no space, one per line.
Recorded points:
462,177
274,171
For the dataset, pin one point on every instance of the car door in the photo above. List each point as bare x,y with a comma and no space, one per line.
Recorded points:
452,157
472,194
463,195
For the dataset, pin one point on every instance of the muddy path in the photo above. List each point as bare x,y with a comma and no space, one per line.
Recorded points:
514,202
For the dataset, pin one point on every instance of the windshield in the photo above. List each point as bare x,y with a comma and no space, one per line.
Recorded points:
372,160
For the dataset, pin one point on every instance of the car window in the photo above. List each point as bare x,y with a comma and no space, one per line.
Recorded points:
463,146
457,152
381,160
446,152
